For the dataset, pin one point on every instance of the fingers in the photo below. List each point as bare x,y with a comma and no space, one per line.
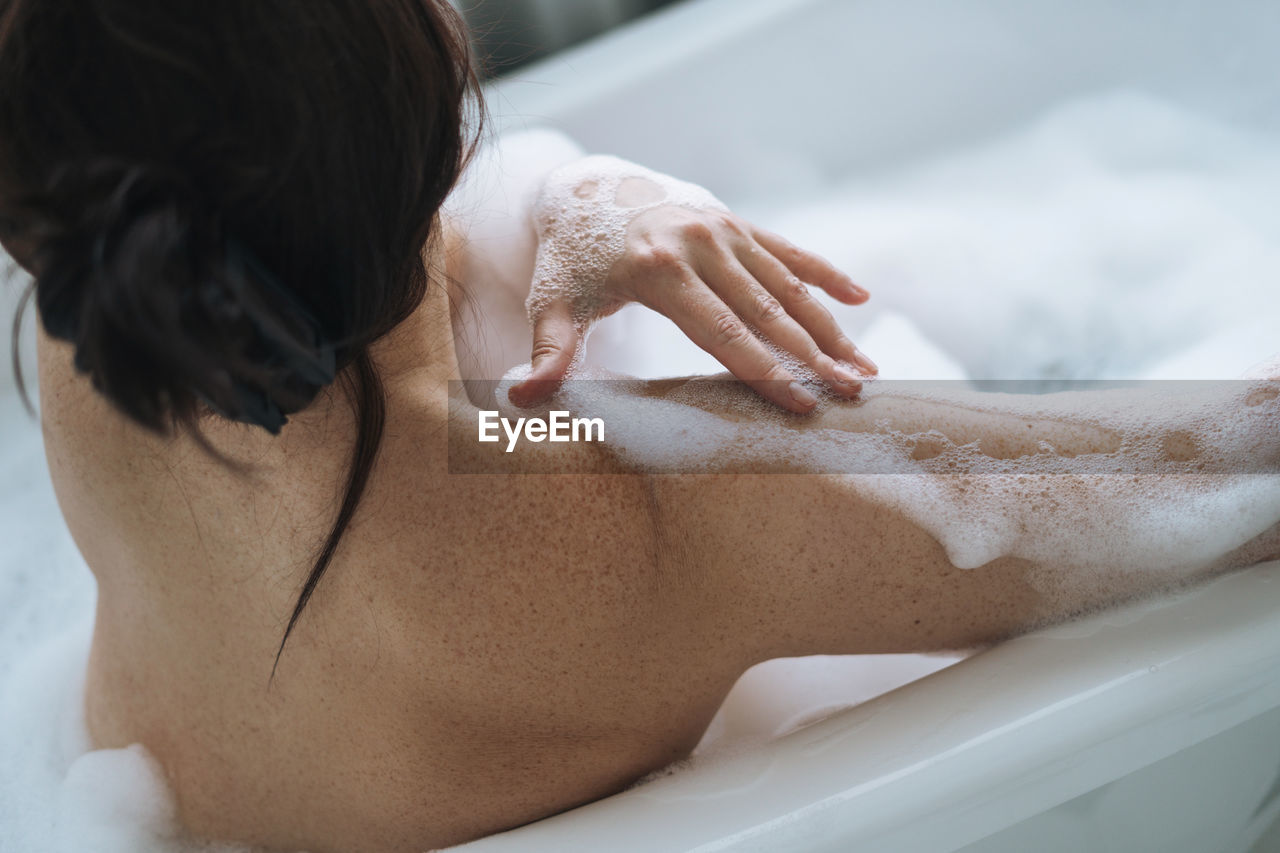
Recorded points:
761,308
811,268
796,300
717,328
555,340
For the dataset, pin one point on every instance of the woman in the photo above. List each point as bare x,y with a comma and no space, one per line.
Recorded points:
327,639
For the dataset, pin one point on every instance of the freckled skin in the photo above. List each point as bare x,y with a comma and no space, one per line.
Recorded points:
485,650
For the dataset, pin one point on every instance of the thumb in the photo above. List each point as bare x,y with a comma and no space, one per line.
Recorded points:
555,340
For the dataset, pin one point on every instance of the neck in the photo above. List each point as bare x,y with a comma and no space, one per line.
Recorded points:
415,361
421,349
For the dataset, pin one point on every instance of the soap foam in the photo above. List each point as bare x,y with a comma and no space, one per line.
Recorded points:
1148,505
1099,241
581,217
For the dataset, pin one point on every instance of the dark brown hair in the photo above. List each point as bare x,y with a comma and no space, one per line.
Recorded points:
225,202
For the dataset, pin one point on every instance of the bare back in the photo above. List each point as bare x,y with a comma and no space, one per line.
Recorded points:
482,651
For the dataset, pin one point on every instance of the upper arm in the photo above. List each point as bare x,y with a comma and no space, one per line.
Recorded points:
801,564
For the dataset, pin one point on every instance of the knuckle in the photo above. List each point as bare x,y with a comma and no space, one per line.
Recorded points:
768,309
730,221
657,259
544,347
728,330
796,289
697,231
645,260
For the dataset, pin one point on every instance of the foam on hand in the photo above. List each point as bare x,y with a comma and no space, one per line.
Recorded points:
581,217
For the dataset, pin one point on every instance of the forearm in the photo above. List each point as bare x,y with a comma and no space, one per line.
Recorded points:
1039,471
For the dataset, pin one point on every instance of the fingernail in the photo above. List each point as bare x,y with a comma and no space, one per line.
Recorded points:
865,363
802,395
846,376
860,291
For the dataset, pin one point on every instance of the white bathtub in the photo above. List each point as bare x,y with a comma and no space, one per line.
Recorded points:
1152,728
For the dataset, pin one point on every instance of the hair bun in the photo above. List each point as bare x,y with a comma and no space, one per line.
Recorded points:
166,309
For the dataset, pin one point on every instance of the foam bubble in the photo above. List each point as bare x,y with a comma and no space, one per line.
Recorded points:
581,216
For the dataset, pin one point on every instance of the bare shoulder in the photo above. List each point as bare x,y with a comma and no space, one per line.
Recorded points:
557,529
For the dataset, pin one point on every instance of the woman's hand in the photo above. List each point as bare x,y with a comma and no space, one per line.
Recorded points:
729,286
